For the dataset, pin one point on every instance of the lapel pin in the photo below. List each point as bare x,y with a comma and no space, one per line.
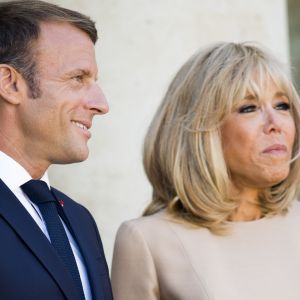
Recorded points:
61,202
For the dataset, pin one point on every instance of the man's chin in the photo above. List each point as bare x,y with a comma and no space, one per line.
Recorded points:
72,157
79,158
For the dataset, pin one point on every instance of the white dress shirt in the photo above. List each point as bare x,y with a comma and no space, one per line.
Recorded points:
14,175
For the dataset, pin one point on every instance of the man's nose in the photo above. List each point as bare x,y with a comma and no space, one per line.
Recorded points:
272,121
97,102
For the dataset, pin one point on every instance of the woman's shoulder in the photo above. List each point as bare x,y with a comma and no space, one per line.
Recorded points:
161,228
146,223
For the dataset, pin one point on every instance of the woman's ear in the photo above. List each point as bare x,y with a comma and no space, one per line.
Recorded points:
10,83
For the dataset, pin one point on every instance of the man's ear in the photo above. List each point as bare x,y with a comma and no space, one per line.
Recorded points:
10,84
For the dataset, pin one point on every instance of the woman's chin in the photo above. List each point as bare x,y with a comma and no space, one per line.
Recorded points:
273,178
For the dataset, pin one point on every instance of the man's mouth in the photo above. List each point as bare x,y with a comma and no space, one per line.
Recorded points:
84,126
80,125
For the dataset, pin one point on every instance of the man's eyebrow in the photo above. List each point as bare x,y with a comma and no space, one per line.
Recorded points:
80,71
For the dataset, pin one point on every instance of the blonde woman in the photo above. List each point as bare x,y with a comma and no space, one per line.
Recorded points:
222,157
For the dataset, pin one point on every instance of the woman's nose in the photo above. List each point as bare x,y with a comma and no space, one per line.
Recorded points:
272,121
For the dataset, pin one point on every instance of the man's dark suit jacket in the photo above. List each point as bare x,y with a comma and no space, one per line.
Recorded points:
29,267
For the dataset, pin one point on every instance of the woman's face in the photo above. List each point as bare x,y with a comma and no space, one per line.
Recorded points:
258,138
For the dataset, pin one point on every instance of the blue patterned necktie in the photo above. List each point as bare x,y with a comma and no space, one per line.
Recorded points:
39,193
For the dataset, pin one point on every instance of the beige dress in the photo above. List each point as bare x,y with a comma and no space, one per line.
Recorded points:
155,258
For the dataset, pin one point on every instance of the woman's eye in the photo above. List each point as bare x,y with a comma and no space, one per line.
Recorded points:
283,106
247,109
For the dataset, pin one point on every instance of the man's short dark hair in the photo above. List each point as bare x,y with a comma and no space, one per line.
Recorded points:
20,29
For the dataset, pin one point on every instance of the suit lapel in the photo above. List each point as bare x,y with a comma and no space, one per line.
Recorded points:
88,245
20,220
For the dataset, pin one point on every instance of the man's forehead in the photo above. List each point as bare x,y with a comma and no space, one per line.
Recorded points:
64,47
58,32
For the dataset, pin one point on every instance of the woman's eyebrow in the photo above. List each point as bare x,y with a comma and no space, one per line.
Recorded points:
250,97
281,94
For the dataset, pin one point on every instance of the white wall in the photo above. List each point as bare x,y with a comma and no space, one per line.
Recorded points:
142,44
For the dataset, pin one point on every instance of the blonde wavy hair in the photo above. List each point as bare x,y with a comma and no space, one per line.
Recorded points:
183,155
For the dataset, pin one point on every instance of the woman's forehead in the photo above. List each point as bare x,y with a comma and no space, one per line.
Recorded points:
258,86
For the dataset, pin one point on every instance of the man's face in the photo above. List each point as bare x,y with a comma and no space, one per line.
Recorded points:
56,124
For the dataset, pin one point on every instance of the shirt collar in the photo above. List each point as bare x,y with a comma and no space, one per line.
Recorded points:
13,174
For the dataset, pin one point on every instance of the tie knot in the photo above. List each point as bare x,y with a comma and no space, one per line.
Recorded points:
38,191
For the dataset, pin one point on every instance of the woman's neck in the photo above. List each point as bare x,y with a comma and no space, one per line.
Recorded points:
249,207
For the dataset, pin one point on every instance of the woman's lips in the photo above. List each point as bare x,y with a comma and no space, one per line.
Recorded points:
275,149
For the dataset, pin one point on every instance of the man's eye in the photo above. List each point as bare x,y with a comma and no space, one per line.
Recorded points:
283,106
247,109
78,78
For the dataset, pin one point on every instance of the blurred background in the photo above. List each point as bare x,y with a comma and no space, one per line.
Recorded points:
142,44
